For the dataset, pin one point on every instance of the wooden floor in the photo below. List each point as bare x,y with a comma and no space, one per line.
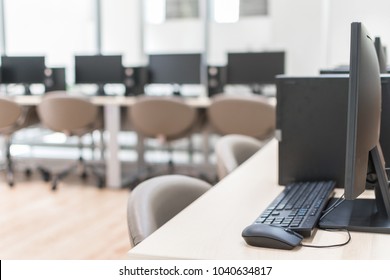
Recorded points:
77,221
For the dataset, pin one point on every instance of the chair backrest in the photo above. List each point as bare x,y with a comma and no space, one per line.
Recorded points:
169,117
232,150
64,113
247,115
10,112
155,201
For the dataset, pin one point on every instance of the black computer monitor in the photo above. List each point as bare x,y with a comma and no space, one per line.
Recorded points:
254,68
176,69
341,69
362,144
24,70
381,53
98,69
382,57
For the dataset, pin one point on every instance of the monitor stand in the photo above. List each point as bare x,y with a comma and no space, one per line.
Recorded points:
27,90
365,215
176,90
100,91
257,89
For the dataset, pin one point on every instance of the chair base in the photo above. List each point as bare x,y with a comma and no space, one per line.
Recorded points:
85,168
8,167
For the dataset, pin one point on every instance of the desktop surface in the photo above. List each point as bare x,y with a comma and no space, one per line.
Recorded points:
211,227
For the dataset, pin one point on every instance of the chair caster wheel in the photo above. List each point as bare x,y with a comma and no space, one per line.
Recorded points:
28,172
54,185
100,183
84,175
46,177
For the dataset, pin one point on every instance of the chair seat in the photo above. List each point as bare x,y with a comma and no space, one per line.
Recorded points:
232,150
155,201
249,115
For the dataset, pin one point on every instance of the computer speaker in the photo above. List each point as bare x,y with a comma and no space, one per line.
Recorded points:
54,79
134,80
216,79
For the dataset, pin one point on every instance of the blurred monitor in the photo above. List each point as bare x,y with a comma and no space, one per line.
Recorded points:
175,68
22,69
98,69
254,68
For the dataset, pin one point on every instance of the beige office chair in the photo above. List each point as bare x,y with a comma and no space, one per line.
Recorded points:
164,118
73,116
247,115
232,150
11,120
155,201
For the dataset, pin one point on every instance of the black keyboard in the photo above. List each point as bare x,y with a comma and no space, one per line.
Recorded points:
299,206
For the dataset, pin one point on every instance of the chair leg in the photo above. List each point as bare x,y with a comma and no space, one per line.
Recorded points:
60,176
10,172
100,182
9,163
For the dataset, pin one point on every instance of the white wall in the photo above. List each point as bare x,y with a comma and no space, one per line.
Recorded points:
121,28
297,26
174,36
292,26
248,35
315,34
374,14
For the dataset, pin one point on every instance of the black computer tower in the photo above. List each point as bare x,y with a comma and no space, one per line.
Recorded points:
311,126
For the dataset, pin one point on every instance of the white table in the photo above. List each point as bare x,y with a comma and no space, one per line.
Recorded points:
211,227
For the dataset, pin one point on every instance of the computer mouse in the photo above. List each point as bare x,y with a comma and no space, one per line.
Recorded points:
262,235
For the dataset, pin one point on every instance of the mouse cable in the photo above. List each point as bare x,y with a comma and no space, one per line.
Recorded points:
332,245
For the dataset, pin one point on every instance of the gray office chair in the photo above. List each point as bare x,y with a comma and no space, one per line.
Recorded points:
155,201
73,116
163,118
232,150
251,115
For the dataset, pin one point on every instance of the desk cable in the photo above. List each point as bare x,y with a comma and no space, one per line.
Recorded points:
340,200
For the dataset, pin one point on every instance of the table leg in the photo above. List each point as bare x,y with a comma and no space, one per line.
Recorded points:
112,126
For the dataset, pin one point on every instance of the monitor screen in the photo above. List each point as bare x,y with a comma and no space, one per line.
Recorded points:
174,68
254,68
381,53
363,152
22,69
98,69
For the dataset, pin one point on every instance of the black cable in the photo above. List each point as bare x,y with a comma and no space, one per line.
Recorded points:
338,201
335,204
333,245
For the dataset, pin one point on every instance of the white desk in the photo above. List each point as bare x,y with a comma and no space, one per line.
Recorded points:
211,227
111,105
